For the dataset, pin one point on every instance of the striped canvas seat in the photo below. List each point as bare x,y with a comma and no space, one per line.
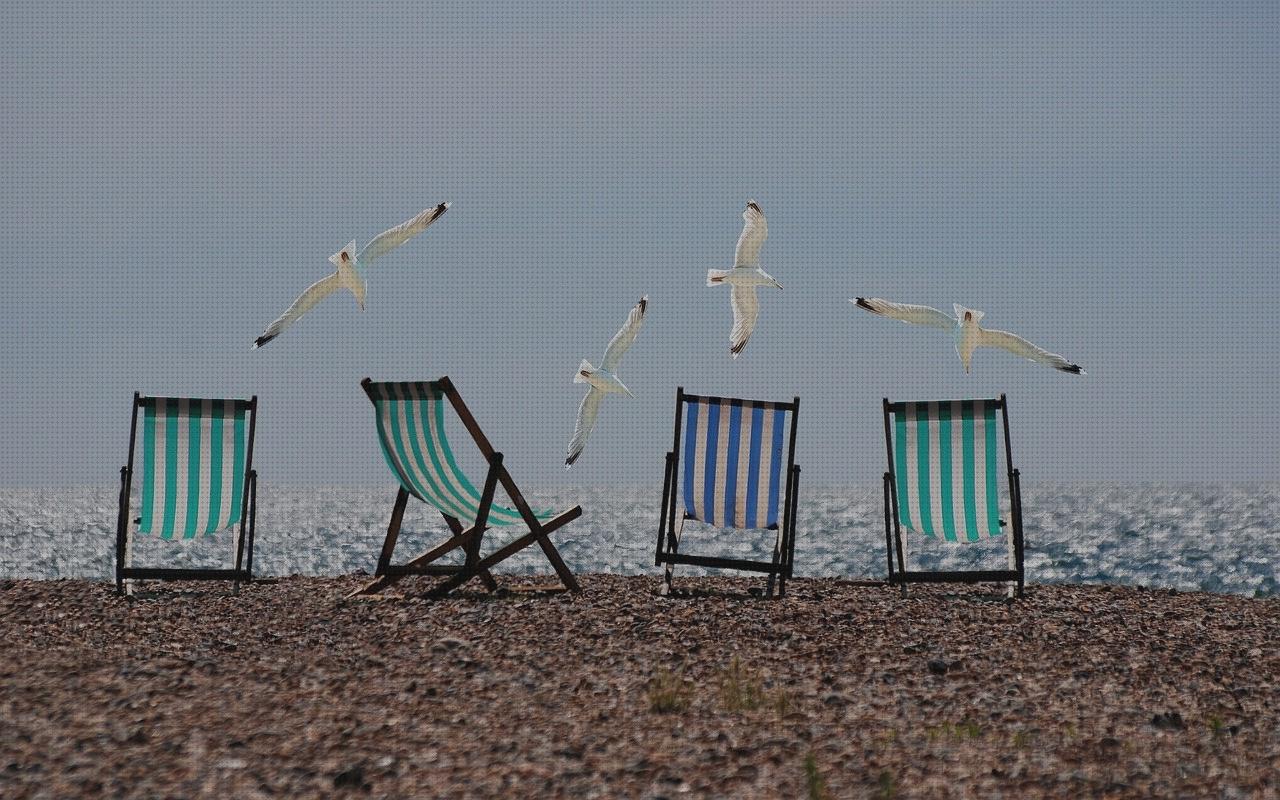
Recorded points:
944,483
193,465
411,430
735,468
944,463
194,476
733,462
410,419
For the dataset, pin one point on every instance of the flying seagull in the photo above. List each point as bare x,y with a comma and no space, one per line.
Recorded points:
350,267
745,276
969,334
603,380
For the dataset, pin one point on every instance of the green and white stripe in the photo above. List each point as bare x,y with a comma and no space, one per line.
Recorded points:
411,430
193,465
944,464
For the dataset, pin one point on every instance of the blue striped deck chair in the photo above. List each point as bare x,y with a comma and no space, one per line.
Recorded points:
943,483
735,469
410,419
196,479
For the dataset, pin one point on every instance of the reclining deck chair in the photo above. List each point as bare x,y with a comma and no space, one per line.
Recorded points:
410,420
733,459
197,478
942,481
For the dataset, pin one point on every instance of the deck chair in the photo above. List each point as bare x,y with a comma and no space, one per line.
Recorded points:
943,482
733,459
410,420
197,478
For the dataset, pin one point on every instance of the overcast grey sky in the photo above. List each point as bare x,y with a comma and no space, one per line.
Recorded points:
1101,178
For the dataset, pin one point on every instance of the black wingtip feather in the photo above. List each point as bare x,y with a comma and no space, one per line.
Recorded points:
568,462
755,205
862,303
261,340
1074,369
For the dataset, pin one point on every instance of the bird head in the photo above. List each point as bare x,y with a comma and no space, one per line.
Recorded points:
346,257
967,315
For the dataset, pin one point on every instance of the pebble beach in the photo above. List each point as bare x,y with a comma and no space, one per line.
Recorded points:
838,690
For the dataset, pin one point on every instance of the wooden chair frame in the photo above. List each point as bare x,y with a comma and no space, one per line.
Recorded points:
469,538
670,528
898,573
243,570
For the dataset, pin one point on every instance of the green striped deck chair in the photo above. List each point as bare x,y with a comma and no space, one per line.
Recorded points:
196,479
735,468
410,420
943,483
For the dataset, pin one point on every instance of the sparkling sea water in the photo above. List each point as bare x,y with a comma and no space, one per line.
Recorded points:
1217,538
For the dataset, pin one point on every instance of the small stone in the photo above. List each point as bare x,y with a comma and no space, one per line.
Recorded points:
1168,721
449,643
938,667
350,778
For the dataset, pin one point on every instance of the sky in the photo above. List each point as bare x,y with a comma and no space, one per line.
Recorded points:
1101,178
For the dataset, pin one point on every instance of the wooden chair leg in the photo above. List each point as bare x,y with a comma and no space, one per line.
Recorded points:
510,549
383,581
473,552
393,532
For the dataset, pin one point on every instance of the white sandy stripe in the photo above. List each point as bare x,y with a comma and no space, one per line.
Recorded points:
980,468
763,489
228,463
399,404
180,476
446,476
957,471
935,469
202,508
385,409
447,503
912,478
157,472
719,512
700,463
744,467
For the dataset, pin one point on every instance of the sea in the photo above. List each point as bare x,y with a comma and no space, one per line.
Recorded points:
1221,538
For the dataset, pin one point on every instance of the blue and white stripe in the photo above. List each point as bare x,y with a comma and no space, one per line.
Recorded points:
732,462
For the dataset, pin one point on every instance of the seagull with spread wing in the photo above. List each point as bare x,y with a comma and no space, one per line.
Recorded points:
349,273
603,380
745,276
969,334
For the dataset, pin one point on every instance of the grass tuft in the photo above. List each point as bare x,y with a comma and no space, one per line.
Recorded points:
887,786
740,688
816,786
668,693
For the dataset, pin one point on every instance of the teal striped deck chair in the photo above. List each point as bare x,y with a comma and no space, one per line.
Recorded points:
735,468
943,483
196,479
410,420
